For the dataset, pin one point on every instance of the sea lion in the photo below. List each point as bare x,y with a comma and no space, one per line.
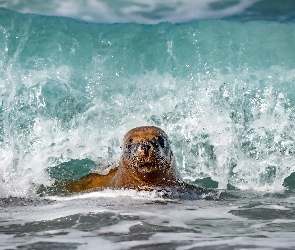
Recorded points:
146,163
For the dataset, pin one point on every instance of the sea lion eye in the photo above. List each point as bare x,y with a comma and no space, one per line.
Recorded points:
129,143
161,141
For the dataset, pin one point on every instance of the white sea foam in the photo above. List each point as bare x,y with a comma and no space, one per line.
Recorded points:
49,144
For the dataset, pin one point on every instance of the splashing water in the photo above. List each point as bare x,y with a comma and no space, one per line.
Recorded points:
222,91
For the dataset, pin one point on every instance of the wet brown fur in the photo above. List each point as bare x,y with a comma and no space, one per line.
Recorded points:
144,164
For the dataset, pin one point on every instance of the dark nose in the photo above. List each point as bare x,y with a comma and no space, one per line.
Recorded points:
145,148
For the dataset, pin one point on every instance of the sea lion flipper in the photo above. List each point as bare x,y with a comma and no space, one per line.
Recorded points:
90,181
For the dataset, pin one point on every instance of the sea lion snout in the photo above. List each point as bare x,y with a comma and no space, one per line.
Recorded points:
144,149
148,157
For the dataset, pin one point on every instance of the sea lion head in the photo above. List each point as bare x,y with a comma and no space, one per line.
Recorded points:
146,150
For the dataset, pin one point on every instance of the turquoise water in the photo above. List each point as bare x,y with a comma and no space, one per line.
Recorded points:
221,89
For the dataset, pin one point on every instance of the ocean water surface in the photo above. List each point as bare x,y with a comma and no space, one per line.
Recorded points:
223,90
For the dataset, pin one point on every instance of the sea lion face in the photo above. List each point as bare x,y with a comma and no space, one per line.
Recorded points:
146,150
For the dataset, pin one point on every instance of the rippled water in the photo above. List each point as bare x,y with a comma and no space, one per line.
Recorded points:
126,220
